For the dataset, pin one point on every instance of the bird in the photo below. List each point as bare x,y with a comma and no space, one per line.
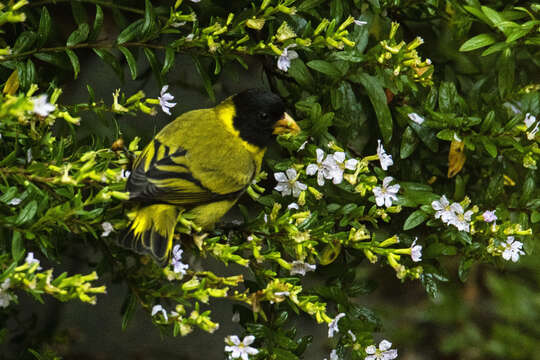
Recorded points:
201,162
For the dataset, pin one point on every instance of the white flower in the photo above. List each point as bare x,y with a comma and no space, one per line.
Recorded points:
302,147
284,60
443,210
29,156
512,108
164,100
288,184
293,205
31,260
489,216
5,296
457,138
195,1
385,195
107,228
353,337
416,118
512,249
462,219
382,353
529,121
384,158
41,106
416,251
190,37
124,174
323,169
178,265
240,349
340,165
178,24
158,308
360,22
15,201
300,267
333,325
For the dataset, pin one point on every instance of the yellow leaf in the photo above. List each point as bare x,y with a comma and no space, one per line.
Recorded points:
329,254
12,83
456,158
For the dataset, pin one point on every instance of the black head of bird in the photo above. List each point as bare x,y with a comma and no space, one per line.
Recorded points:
261,114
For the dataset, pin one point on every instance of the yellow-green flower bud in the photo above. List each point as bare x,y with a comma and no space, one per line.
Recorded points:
255,23
321,27
284,32
370,256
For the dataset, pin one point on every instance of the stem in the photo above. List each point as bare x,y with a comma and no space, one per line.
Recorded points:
97,2
110,45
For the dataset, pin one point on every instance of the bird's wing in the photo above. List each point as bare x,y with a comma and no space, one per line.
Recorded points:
185,172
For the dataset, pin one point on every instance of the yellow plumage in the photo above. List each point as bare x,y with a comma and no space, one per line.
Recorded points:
198,162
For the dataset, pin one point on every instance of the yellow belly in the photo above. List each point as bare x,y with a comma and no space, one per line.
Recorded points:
207,215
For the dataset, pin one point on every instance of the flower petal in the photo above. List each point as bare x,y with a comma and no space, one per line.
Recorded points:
291,173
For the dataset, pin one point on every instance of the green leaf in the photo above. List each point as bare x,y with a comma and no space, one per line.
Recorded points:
149,20
309,4
446,134
495,48
27,213
477,12
205,78
98,24
415,219
79,35
494,17
79,12
336,10
44,29
21,73
507,68
518,33
111,60
132,63
535,216
300,73
8,195
30,73
465,266
426,135
24,41
17,246
325,67
56,59
128,310
477,42
131,32
377,97
169,60
437,249
448,97
74,62
409,141
154,64
490,147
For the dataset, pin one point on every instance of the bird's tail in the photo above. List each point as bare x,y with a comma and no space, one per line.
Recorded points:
151,231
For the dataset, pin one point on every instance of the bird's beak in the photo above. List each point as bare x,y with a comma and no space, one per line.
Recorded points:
286,125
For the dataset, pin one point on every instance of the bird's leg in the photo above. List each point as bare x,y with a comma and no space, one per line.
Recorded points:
198,239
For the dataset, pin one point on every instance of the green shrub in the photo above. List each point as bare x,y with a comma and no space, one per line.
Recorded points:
415,155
